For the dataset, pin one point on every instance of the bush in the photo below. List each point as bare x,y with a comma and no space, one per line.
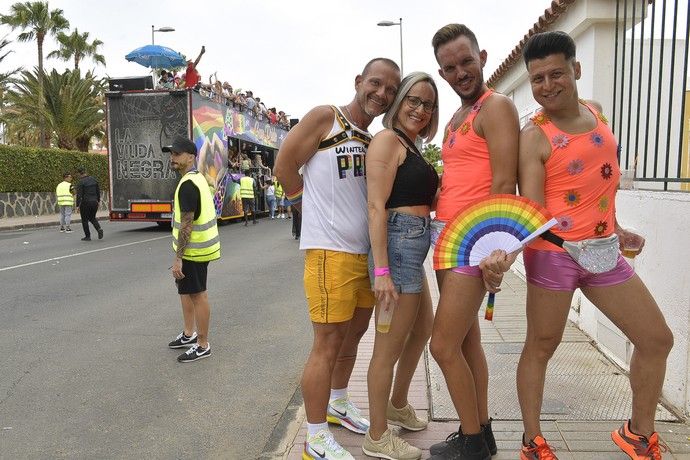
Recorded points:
26,169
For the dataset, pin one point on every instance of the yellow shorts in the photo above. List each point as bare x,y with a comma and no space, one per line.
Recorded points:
336,283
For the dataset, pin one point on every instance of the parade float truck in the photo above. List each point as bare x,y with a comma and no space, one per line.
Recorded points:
140,123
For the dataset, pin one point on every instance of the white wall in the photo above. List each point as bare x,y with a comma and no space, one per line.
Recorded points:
662,217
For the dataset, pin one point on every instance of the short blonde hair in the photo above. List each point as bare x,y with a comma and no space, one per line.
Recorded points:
406,85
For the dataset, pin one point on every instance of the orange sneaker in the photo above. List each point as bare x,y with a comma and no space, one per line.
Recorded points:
638,447
537,449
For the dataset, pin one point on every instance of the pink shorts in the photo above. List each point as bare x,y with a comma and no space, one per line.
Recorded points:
558,271
436,229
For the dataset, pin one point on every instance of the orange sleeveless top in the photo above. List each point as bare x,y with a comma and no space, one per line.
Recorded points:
581,178
466,166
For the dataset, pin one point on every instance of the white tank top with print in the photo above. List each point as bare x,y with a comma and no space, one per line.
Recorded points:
334,201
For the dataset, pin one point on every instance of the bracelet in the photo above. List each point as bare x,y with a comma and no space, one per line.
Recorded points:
382,271
295,196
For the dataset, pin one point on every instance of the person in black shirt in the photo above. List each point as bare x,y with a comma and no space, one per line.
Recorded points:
88,198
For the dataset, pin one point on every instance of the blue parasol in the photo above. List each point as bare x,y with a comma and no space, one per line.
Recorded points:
156,57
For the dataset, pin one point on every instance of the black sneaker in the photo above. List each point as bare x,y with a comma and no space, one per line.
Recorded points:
100,233
68,230
195,353
86,238
439,447
182,341
62,229
460,446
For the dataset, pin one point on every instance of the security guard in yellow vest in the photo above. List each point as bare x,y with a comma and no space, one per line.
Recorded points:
196,243
247,185
65,200
280,200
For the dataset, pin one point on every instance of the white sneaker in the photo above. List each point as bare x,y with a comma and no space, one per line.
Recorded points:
341,411
323,446
391,447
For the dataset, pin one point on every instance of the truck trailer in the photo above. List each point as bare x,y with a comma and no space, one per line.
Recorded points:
140,123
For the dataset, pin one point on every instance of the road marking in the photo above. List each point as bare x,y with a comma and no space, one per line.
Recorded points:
83,253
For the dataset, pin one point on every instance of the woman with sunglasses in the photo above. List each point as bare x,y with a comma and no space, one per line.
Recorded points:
401,187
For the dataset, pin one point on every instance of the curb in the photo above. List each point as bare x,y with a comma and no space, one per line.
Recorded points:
283,435
30,225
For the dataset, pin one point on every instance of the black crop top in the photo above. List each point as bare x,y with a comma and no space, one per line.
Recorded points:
415,181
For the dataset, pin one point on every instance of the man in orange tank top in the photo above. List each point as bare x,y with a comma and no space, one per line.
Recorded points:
479,154
568,163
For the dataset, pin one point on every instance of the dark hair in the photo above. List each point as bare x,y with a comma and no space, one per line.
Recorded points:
81,170
64,176
387,61
449,33
545,44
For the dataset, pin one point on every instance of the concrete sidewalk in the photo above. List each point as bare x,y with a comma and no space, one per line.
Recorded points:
48,220
572,435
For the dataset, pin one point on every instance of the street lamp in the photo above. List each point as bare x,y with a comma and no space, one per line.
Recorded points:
162,29
391,23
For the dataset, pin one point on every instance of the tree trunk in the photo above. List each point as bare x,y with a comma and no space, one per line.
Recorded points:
76,61
43,138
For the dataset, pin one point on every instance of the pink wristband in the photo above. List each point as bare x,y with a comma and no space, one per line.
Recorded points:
382,271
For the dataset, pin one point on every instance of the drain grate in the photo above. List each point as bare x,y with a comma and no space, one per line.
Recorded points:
581,384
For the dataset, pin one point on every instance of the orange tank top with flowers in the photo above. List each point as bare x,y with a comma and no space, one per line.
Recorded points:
466,166
581,179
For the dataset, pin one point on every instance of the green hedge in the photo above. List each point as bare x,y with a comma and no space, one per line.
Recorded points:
25,169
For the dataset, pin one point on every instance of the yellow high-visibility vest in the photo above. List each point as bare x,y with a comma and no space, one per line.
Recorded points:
246,187
204,243
279,190
64,195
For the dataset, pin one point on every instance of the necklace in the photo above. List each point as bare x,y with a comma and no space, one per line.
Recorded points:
351,118
349,115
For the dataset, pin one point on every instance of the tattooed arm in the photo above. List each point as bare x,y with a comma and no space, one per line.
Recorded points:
183,237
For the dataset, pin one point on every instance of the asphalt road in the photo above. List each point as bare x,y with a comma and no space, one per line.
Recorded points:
84,327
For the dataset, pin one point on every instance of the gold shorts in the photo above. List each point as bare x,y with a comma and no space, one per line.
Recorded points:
335,283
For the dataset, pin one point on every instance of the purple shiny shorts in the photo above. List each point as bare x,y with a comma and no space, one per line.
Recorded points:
436,229
558,271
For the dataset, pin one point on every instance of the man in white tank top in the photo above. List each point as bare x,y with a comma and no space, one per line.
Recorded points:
331,143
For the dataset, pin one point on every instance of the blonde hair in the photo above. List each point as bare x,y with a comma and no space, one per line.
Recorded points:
406,85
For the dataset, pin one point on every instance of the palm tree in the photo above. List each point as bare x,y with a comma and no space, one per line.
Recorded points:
77,46
36,21
73,109
5,76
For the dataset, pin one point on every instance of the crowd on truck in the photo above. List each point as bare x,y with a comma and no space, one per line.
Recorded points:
221,92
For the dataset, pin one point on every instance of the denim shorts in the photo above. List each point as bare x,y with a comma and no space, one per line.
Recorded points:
409,239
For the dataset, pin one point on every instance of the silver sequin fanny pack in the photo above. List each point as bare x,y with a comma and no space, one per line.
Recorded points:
596,255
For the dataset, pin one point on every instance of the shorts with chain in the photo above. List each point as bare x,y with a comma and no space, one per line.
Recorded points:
335,283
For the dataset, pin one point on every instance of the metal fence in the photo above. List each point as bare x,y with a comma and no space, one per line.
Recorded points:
651,98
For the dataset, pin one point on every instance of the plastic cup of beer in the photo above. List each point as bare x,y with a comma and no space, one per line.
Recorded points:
627,181
385,316
632,245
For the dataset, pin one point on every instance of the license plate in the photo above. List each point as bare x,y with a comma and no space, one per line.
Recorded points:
166,215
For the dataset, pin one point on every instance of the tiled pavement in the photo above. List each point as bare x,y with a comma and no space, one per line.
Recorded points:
573,439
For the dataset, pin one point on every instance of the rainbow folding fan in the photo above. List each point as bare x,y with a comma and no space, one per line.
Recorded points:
505,222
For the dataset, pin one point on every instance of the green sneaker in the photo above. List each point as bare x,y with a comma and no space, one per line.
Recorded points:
405,418
391,447
323,446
